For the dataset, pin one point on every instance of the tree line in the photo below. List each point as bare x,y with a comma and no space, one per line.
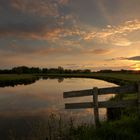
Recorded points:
59,70
30,70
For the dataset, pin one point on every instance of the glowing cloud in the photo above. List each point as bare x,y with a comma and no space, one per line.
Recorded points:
133,58
115,35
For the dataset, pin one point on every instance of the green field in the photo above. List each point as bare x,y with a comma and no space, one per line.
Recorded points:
117,78
104,76
120,76
5,77
15,79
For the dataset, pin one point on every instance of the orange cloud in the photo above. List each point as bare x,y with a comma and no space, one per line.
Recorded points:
41,33
115,35
136,66
101,51
97,51
133,58
54,50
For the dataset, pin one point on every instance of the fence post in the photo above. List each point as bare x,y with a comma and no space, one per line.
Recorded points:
138,96
95,106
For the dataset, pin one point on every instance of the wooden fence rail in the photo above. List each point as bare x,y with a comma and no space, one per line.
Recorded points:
101,91
104,104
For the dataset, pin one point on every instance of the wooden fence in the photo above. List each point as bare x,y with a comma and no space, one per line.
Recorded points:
130,89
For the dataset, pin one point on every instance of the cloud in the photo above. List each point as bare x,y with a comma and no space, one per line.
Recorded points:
115,35
61,48
102,51
36,31
72,50
96,51
119,41
62,30
47,22
117,58
134,58
96,68
104,11
38,7
54,50
63,2
21,50
23,20
136,66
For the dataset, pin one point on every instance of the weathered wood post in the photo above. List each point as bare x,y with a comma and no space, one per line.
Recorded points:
95,106
138,97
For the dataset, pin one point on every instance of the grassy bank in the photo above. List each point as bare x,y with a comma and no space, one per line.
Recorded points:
118,78
125,128
6,77
16,79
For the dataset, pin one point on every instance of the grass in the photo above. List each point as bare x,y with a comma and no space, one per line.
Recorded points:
117,78
125,128
10,77
54,128
16,79
121,76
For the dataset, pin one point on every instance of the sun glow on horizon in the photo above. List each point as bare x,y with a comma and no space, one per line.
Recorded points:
136,67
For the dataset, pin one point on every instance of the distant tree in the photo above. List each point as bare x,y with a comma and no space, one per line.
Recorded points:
26,70
45,70
35,70
19,70
60,70
68,71
106,71
5,71
86,71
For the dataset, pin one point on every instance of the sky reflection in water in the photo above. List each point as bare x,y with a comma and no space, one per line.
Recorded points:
46,96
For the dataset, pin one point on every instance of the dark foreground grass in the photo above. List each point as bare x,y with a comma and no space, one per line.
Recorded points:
125,128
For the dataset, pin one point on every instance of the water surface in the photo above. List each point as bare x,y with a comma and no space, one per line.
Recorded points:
45,97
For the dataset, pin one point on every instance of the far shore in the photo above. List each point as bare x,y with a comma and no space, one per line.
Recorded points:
117,78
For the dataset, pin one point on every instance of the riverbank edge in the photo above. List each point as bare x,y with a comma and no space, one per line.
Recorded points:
101,76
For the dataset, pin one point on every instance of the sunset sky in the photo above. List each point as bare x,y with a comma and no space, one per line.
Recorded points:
75,34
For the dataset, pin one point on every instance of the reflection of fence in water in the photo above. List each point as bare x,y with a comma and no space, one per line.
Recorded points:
104,104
